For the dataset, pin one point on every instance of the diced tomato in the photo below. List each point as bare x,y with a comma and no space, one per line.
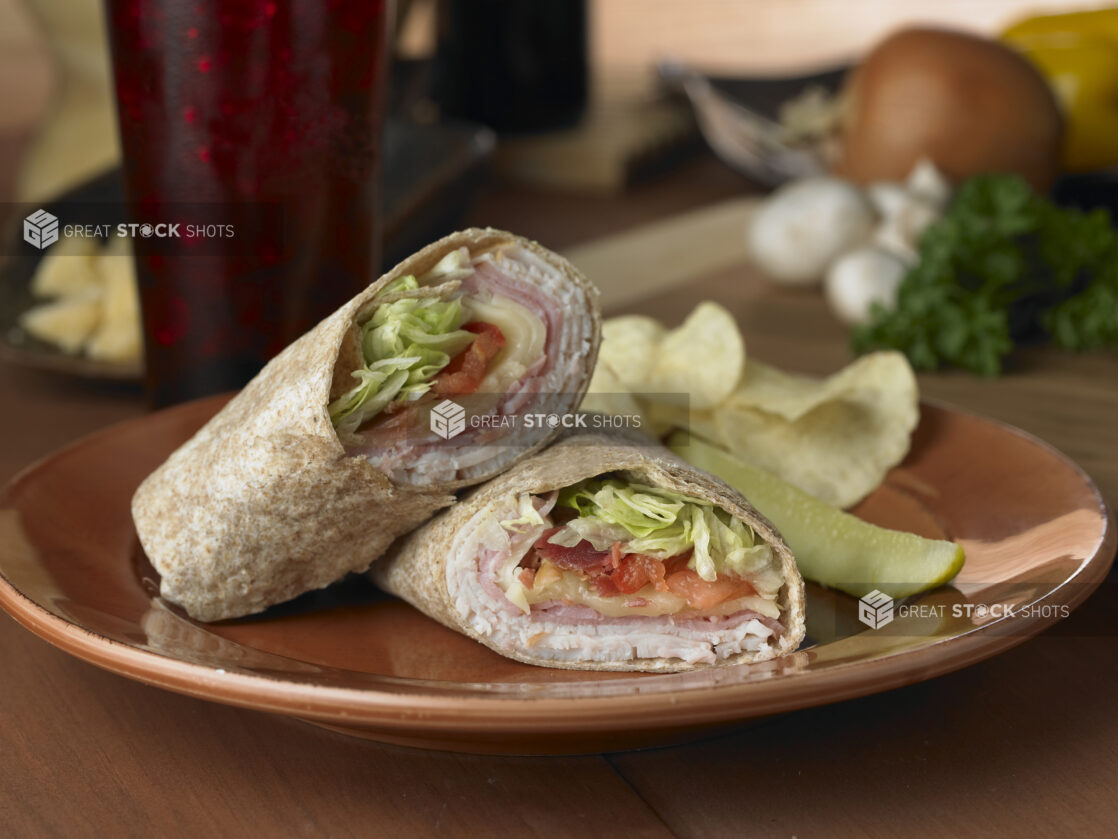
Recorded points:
467,369
637,571
677,562
615,555
701,594
612,574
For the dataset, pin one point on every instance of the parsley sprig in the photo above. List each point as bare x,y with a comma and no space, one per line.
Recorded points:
1004,266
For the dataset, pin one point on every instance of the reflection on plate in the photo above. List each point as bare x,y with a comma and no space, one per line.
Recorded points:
430,175
1038,539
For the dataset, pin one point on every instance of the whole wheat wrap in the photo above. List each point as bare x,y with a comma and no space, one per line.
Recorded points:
439,570
266,502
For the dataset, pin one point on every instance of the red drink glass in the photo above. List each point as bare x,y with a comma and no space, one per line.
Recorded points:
255,126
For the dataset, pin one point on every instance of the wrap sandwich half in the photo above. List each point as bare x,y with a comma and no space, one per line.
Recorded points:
336,448
601,554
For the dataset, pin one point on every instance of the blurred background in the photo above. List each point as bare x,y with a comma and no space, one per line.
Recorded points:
568,120
625,39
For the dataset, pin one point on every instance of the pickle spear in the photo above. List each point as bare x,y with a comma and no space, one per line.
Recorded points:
831,547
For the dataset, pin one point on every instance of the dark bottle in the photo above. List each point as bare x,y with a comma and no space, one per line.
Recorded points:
514,65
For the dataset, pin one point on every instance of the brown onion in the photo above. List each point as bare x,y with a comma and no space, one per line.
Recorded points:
968,103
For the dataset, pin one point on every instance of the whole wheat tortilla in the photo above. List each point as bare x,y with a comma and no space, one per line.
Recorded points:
415,569
263,503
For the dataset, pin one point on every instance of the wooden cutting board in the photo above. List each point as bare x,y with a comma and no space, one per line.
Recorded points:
636,264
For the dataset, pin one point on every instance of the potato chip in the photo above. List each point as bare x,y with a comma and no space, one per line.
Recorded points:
665,416
67,322
629,349
118,337
117,246
834,438
703,358
665,413
67,269
606,394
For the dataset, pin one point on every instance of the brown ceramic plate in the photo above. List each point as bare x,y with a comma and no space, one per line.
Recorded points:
1037,534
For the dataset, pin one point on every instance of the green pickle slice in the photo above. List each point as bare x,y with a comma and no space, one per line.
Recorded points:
831,547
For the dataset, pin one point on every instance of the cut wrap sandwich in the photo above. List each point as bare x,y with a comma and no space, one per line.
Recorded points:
605,555
329,454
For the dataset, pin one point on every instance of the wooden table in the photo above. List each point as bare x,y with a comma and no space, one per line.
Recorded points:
1025,744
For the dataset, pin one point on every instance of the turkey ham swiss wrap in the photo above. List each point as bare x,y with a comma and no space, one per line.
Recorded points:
334,449
601,554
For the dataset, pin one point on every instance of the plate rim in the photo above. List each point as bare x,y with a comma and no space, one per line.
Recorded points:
403,712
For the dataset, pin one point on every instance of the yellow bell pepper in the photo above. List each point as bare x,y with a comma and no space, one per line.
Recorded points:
1078,54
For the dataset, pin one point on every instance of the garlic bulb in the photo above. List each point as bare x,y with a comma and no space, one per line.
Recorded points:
860,278
803,226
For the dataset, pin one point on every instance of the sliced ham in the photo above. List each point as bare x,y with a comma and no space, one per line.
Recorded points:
411,454
483,553
581,557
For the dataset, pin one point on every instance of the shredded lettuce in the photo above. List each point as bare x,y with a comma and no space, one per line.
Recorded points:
404,344
456,265
600,534
528,515
661,523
